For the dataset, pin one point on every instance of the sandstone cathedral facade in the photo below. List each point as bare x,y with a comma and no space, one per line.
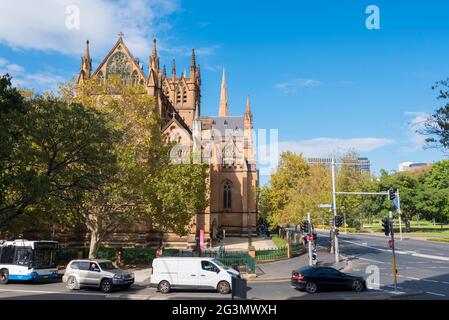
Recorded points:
223,141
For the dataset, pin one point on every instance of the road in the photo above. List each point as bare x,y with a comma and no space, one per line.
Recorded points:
421,265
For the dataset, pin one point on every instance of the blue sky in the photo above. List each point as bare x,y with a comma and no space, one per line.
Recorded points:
312,69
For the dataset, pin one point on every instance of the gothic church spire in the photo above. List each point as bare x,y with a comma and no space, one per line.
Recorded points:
223,110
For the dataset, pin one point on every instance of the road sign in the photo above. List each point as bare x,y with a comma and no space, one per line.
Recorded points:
390,244
309,237
325,206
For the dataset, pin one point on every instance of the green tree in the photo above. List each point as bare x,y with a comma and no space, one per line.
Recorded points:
64,152
273,198
437,126
351,179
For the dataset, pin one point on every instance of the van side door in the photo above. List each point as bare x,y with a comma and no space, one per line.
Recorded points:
188,273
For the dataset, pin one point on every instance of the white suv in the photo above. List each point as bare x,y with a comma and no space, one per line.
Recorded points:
98,273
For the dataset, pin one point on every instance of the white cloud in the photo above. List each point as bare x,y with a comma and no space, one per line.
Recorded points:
40,81
41,25
321,147
294,85
417,140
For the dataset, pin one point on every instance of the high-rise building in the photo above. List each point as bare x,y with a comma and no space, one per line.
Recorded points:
407,166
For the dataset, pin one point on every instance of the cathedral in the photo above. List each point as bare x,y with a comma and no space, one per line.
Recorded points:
223,141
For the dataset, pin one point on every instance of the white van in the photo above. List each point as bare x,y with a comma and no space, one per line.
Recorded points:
195,273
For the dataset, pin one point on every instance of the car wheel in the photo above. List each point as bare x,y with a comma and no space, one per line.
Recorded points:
72,283
4,276
106,285
223,287
164,287
311,287
357,286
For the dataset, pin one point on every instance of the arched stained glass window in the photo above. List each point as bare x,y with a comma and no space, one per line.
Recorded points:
227,195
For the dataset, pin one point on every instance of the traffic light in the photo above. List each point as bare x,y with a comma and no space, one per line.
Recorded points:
391,194
338,221
305,226
386,226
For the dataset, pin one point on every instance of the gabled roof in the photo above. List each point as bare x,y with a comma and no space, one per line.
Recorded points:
113,50
178,121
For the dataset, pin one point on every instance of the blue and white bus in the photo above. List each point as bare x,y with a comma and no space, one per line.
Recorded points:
28,260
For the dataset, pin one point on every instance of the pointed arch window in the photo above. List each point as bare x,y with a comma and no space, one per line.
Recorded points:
227,195
135,78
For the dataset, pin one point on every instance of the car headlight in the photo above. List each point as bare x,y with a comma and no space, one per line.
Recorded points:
118,276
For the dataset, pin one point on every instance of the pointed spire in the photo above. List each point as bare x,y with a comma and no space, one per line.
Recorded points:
193,63
248,105
86,61
154,59
223,110
248,114
198,75
154,51
86,50
173,70
164,71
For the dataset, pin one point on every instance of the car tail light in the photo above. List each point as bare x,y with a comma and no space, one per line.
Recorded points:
299,276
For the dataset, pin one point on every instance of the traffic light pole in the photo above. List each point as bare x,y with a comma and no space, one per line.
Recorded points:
334,207
309,242
399,214
394,253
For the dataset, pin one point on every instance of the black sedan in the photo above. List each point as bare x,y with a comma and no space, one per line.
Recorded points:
312,279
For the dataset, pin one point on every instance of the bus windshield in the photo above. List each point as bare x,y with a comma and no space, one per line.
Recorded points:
44,258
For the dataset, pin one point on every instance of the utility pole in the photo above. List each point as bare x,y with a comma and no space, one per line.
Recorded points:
394,253
309,242
399,214
334,207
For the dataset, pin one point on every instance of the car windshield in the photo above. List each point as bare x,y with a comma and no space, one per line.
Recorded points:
220,264
107,266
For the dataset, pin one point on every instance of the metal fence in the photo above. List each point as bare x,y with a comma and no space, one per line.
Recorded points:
236,259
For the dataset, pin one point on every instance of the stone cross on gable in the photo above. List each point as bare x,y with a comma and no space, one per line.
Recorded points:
120,34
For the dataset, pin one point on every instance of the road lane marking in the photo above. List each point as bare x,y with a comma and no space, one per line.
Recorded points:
409,253
436,294
372,260
445,282
51,292
421,255
413,278
427,280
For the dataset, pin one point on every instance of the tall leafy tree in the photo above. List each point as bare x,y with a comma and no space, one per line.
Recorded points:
437,126
63,152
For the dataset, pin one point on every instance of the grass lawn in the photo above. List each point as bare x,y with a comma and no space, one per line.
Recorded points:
280,243
423,229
